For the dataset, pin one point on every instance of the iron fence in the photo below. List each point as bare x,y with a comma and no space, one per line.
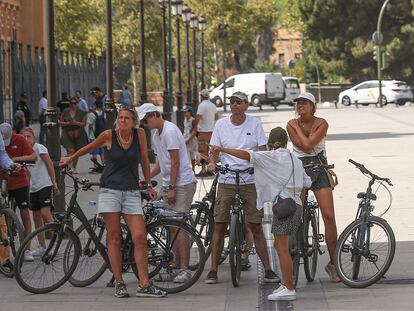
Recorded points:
23,70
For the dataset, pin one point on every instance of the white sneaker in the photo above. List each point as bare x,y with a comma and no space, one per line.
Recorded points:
280,288
284,294
28,255
183,276
167,276
38,252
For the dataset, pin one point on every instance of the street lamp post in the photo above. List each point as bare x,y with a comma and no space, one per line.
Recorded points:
223,35
52,125
379,51
166,108
194,26
110,109
202,25
177,9
186,15
142,43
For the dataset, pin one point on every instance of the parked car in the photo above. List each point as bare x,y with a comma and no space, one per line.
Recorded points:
367,92
260,88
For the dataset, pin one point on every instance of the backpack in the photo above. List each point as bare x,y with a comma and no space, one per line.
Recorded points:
100,123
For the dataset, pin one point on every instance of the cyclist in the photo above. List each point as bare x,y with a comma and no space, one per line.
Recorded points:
178,179
238,131
273,171
5,162
120,196
308,133
18,184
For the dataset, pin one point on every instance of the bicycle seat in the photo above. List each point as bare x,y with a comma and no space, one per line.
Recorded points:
363,195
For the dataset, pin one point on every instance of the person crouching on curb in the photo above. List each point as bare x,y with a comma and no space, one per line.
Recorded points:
273,177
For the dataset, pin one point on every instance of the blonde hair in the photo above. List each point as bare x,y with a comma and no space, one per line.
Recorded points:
133,113
28,130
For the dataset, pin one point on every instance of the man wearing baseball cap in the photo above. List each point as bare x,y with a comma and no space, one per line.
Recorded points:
205,119
178,180
238,131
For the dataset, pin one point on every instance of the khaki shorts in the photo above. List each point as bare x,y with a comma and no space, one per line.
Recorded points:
203,142
225,198
183,197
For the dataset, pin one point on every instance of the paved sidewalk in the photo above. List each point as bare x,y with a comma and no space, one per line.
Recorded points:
382,139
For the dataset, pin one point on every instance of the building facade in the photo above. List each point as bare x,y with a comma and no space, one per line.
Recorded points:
287,46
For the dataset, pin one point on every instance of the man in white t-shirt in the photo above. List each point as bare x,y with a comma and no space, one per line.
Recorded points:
178,180
205,119
238,131
42,117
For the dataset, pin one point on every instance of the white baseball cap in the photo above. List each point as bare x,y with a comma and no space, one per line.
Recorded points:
306,96
205,93
144,109
6,132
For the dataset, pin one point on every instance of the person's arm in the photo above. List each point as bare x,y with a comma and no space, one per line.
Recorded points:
81,123
193,132
145,165
299,139
197,120
50,169
175,167
5,160
241,154
29,157
27,154
155,170
101,141
63,122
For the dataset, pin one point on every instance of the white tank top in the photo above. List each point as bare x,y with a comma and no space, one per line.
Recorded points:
318,148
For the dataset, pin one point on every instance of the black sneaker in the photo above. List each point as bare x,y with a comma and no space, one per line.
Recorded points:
150,291
7,266
121,291
271,277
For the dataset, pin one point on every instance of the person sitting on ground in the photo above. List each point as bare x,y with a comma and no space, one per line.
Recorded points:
274,178
42,187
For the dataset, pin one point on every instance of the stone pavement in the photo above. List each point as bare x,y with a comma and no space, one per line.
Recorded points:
382,139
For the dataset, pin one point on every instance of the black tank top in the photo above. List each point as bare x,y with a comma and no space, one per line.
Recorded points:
121,170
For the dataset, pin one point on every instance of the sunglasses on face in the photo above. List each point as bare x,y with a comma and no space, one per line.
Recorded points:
236,101
73,103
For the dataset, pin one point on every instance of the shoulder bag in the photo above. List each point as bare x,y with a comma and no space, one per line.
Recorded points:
285,208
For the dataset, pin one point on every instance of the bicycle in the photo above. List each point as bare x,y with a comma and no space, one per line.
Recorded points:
87,245
366,240
12,234
237,242
308,237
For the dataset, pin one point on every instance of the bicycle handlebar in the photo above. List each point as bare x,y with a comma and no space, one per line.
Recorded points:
317,165
364,170
227,169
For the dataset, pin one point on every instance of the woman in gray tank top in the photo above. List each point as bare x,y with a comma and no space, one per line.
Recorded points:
119,196
307,134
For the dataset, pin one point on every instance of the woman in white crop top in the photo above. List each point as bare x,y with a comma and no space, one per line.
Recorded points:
307,133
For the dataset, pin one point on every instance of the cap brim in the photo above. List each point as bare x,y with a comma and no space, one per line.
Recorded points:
302,98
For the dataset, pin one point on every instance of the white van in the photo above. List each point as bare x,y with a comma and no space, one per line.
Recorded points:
260,88
292,90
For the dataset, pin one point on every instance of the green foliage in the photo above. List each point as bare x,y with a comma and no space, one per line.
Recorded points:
338,37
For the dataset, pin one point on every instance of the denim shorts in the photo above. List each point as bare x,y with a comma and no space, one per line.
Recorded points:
120,201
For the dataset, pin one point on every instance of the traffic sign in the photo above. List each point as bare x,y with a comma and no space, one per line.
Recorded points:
291,64
377,38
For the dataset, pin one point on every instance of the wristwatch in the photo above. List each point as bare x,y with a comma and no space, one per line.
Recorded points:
171,187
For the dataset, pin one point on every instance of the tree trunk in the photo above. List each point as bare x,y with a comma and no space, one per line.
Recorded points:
264,43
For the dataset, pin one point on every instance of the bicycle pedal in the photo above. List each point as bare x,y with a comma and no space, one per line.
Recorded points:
320,238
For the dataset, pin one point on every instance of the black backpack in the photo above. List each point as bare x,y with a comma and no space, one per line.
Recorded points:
100,124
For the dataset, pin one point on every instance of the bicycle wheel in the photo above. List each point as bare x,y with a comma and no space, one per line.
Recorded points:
48,271
11,236
203,221
311,246
295,247
167,255
235,241
364,252
91,265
